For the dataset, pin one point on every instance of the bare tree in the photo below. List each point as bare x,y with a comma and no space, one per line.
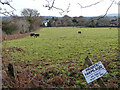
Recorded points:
30,15
30,12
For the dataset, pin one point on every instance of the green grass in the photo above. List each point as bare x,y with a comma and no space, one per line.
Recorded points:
64,49
61,43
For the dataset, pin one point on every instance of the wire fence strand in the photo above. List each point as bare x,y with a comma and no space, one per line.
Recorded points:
39,82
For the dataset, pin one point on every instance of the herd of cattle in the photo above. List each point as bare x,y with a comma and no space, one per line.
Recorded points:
37,35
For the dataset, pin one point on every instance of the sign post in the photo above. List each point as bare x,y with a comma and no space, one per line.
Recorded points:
94,72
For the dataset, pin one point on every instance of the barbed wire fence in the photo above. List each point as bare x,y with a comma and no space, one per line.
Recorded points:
19,71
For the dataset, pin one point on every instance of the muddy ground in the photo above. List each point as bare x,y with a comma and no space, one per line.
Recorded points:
15,36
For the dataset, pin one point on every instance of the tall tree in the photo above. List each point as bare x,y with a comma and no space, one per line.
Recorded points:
67,20
31,16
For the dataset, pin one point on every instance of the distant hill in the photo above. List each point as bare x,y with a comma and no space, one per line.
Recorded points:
108,15
47,17
112,15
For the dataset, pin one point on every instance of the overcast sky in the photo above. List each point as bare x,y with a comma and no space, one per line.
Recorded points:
75,9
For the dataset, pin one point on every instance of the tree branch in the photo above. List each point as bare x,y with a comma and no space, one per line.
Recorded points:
5,12
106,10
100,17
52,6
90,5
115,2
7,3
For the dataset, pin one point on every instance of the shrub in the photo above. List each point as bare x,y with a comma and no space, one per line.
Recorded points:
8,27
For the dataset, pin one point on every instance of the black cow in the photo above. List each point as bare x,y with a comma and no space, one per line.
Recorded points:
32,34
37,35
79,32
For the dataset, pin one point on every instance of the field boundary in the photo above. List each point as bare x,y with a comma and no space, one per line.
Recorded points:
10,72
15,36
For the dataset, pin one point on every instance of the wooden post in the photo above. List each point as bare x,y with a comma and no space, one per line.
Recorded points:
11,72
99,80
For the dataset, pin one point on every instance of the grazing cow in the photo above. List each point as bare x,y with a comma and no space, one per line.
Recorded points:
79,32
32,34
37,35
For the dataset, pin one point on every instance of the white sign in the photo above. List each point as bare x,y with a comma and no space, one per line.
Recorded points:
94,72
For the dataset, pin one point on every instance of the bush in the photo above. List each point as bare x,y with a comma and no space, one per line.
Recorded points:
8,27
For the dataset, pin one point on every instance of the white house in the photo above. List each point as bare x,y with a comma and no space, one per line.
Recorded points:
45,22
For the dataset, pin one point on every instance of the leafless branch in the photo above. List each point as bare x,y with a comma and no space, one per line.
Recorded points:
68,8
90,4
48,5
52,3
106,10
52,6
115,2
4,11
100,17
7,3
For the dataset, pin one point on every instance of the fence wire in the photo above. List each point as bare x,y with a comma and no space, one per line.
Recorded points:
39,82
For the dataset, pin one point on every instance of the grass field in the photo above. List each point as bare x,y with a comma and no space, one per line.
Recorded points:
60,52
